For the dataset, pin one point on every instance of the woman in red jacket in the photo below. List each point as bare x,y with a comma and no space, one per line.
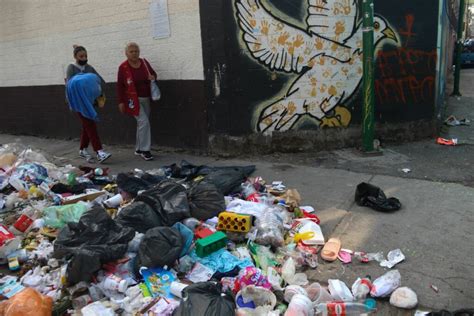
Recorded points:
133,87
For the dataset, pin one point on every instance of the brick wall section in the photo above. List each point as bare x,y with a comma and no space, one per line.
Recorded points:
36,38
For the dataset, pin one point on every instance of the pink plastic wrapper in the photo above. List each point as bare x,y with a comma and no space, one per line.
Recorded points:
252,276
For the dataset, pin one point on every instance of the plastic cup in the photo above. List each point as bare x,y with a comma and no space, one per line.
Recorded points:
318,294
114,201
300,305
292,290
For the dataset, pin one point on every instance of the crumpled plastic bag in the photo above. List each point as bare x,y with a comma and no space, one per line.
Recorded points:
161,246
187,235
140,216
169,200
372,196
226,179
205,201
205,299
131,184
269,226
31,172
288,273
221,261
96,239
393,258
386,284
339,290
59,216
28,302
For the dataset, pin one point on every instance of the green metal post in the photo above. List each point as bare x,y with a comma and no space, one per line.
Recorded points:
368,76
459,44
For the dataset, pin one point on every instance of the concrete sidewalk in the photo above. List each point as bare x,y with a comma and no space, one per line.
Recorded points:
433,229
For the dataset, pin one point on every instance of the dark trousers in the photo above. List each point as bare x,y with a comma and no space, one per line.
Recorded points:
89,134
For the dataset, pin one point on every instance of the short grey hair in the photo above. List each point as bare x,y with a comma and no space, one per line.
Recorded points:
131,44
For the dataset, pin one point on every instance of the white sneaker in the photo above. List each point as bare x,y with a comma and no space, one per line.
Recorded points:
103,155
83,153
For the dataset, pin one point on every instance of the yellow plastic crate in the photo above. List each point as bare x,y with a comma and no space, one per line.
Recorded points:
234,222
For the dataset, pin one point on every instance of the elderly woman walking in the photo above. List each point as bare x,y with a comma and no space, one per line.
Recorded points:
133,88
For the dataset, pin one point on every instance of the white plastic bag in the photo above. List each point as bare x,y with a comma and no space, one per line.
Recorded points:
288,272
386,284
340,291
393,257
155,91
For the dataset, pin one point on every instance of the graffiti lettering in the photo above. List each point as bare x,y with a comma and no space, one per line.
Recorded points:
405,89
405,75
407,32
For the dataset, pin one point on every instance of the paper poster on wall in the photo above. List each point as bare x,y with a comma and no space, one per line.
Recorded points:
160,23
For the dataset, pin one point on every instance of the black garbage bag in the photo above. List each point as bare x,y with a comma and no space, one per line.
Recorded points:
205,201
96,239
79,188
140,216
227,180
131,184
152,178
189,171
159,247
169,200
205,299
372,196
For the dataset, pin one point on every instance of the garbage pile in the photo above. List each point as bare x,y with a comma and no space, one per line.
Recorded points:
178,240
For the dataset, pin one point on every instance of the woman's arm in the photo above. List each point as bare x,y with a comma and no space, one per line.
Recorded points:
152,71
70,72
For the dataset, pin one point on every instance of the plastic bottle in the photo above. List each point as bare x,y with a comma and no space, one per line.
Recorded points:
346,308
249,192
114,283
191,223
361,288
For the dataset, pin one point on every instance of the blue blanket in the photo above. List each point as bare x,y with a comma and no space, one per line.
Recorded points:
82,91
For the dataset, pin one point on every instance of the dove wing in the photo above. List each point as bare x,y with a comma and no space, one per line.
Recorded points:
332,19
277,44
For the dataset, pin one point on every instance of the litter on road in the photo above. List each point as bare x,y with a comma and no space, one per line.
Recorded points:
178,240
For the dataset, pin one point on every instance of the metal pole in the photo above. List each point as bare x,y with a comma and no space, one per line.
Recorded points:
459,44
368,76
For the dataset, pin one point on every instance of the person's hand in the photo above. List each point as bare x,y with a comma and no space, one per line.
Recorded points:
151,77
121,108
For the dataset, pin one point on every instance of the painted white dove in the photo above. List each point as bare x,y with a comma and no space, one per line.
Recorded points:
327,56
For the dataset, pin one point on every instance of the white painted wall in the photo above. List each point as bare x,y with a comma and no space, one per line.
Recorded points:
36,38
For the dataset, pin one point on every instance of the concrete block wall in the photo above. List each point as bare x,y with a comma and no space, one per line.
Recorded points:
36,38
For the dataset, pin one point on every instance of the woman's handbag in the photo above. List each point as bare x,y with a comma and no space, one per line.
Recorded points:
154,89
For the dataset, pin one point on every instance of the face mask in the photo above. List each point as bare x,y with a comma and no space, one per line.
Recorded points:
82,62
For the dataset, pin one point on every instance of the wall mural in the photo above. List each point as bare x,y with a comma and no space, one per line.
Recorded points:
326,59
